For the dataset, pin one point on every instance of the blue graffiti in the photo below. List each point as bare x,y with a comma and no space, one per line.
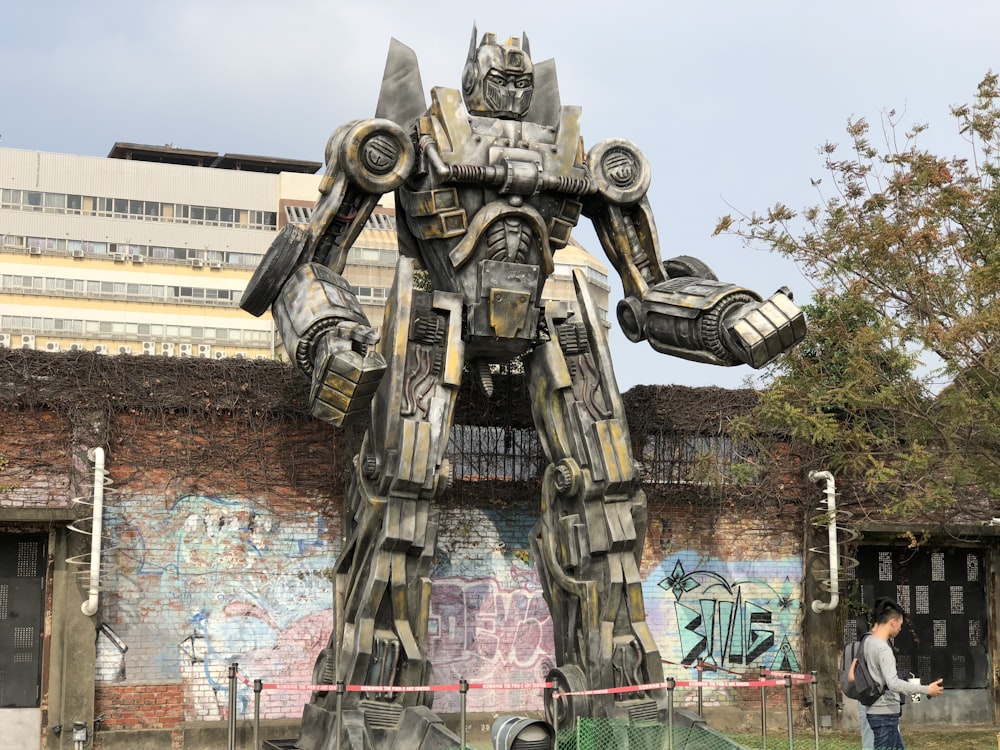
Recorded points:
719,624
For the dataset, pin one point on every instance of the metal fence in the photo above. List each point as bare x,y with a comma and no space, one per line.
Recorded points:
507,453
585,733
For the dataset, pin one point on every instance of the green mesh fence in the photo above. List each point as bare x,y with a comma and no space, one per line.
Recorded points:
622,734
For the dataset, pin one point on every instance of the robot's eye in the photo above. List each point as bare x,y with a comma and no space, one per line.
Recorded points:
496,78
523,83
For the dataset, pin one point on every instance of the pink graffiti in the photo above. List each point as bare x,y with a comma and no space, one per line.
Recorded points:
482,631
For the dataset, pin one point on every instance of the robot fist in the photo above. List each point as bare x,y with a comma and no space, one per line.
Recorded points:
757,332
706,320
346,373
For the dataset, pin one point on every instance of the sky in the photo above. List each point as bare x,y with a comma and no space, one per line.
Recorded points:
729,100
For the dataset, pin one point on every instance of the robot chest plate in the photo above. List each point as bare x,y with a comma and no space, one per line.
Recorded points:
493,204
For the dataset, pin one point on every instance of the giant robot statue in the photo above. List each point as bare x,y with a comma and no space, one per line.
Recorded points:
489,181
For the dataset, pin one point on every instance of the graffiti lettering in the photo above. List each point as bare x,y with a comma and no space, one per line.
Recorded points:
738,626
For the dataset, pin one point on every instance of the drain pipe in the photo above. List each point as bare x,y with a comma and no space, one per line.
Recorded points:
831,524
89,607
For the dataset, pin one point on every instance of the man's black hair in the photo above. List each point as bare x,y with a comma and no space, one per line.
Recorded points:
886,609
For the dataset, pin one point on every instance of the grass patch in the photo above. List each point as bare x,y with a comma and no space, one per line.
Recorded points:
937,737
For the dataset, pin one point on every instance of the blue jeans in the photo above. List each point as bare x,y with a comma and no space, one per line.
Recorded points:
885,727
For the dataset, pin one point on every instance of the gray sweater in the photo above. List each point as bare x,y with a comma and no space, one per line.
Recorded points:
882,664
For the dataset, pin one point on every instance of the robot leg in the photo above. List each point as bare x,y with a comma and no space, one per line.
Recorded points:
382,576
589,538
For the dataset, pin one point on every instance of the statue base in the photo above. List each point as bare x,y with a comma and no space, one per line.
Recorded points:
374,725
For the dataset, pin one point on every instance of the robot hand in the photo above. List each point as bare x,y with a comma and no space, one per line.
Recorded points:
346,373
328,337
757,332
705,320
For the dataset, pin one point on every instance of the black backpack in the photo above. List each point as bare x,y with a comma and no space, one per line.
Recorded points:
865,689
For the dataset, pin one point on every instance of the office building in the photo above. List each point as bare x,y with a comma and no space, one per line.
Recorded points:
148,251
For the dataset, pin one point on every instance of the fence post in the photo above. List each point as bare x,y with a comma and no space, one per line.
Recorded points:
671,684
340,713
232,705
258,686
701,676
463,691
555,714
788,708
763,711
815,710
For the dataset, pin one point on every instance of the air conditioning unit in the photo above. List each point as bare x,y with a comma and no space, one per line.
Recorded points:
100,349
5,340
240,355
185,350
197,263
34,251
52,346
219,355
76,347
118,257
148,347
124,349
215,264
27,341
77,253
204,350
167,349
138,258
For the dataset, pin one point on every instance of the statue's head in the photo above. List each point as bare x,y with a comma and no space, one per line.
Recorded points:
498,78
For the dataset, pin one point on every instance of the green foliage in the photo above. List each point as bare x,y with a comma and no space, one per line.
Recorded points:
897,385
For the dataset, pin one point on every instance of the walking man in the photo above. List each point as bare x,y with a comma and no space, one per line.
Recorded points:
883,714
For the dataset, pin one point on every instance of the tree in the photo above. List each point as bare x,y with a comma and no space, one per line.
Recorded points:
897,385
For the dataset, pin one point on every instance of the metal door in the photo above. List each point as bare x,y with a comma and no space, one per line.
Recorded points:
943,592
22,600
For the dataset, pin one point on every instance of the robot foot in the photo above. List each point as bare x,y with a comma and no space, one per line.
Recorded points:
375,725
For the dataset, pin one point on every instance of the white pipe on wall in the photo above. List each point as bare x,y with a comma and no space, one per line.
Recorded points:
831,506
89,607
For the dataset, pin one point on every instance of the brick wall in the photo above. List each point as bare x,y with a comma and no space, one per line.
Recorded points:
225,532
723,587
139,706
37,448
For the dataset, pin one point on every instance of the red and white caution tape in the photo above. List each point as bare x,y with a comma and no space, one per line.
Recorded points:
778,680
455,687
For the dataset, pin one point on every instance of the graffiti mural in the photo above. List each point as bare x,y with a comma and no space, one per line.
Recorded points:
202,581
738,622
488,619
206,581
483,632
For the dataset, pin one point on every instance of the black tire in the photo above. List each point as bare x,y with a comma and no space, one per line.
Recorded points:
282,258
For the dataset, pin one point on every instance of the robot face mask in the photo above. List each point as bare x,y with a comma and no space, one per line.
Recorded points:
498,79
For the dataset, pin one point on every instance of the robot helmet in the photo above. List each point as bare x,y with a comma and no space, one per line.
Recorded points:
498,79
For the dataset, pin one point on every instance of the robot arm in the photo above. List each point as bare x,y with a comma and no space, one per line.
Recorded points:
321,323
714,322
622,215
364,160
679,305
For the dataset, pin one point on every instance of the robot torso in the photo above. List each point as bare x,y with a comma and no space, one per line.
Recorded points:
489,202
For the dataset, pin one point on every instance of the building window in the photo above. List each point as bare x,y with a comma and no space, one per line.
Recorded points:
55,202
134,208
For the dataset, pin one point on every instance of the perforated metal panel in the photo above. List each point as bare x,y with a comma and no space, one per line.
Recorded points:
22,588
943,592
